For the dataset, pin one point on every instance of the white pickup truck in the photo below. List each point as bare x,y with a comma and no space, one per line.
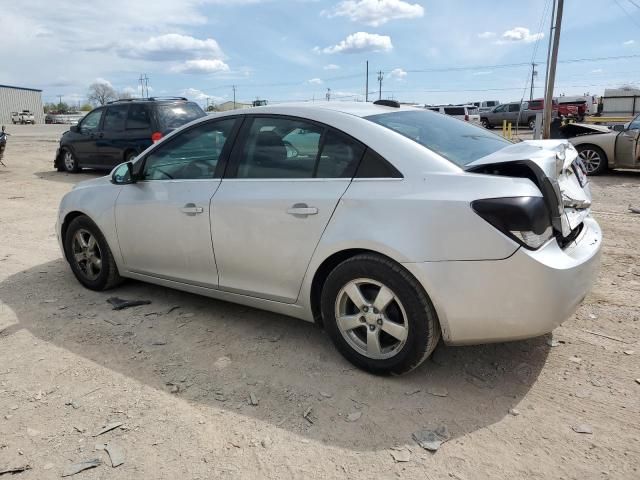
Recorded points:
23,117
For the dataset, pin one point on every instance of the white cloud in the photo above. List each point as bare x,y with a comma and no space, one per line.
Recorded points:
199,95
482,72
375,12
519,34
201,66
597,70
629,42
331,66
315,81
362,42
104,81
171,46
397,73
485,35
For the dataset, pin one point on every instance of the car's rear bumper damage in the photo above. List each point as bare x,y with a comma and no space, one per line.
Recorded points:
526,295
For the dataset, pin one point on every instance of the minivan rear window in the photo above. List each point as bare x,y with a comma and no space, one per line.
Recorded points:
174,115
454,110
459,142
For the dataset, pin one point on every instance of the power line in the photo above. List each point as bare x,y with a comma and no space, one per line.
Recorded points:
627,13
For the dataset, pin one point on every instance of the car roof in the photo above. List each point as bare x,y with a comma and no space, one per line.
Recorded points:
358,109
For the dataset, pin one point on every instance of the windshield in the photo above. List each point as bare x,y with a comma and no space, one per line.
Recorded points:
174,115
457,141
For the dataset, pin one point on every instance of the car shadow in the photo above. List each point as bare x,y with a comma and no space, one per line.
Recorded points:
65,177
222,354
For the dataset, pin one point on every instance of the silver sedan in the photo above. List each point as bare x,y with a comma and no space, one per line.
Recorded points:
390,226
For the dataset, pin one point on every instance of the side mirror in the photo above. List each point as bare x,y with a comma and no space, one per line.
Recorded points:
123,174
74,128
618,128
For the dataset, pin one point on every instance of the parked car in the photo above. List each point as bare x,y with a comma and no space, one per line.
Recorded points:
117,132
24,117
516,113
422,226
601,148
468,113
486,105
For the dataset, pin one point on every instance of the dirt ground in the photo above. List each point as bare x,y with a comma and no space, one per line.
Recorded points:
180,381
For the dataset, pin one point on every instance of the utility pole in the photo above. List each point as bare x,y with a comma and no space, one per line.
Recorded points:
328,95
59,99
366,88
551,78
234,97
380,77
534,74
144,85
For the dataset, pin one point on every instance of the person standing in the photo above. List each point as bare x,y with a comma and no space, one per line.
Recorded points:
3,144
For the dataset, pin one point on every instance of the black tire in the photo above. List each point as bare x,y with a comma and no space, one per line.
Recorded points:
421,318
532,123
71,166
583,152
108,276
485,123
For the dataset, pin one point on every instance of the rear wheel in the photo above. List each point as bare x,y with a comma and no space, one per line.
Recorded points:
89,255
593,158
378,316
69,161
532,123
485,123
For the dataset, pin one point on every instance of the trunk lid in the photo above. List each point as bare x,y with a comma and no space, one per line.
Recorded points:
555,167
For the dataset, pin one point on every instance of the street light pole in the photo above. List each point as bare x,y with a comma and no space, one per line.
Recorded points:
380,77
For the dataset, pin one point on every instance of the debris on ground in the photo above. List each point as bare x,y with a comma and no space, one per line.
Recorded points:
552,342
400,454
307,415
412,392
266,442
116,454
582,428
79,467
575,359
175,388
629,352
121,304
432,439
438,392
108,428
14,470
253,400
222,363
514,412
354,416
634,209
604,335
326,394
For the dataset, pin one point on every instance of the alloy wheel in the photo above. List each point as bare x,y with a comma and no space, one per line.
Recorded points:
371,318
86,253
591,160
69,161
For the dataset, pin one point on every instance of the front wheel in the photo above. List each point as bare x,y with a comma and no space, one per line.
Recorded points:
532,123
593,158
69,161
89,255
485,123
378,316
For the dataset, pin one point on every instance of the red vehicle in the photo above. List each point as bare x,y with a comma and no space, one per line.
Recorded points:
538,104
572,108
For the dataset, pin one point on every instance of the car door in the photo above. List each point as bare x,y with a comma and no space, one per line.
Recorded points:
285,179
498,115
111,141
84,139
627,148
163,220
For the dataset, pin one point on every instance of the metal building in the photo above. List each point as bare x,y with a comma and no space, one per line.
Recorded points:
16,99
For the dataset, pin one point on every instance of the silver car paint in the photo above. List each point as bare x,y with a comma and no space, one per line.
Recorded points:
427,225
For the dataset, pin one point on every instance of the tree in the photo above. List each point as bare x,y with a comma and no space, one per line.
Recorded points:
124,95
85,107
101,93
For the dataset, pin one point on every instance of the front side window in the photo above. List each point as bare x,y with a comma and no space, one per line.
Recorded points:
91,121
500,108
192,154
459,142
514,107
114,118
635,124
280,148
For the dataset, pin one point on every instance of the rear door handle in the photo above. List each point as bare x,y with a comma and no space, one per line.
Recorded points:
302,209
191,209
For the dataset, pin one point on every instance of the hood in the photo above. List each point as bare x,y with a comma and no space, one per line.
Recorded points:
94,182
578,129
555,167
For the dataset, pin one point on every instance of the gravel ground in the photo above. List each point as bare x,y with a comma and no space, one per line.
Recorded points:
215,390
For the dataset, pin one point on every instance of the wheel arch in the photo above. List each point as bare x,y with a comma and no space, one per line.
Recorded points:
69,217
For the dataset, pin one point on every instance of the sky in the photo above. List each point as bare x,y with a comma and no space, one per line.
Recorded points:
429,51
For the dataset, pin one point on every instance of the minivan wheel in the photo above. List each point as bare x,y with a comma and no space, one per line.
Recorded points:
69,161
378,316
89,255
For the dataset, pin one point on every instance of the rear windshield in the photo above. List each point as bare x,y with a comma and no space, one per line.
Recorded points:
174,115
457,141
454,110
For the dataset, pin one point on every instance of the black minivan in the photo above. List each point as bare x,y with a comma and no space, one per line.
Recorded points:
120,130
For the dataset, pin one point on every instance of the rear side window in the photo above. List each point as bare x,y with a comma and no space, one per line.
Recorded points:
339,157
138,117
535,104
514,107
374,166
114,118
459,142
174,115
454,110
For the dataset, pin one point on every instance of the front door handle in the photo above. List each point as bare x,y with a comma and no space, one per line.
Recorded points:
302,209
191,209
